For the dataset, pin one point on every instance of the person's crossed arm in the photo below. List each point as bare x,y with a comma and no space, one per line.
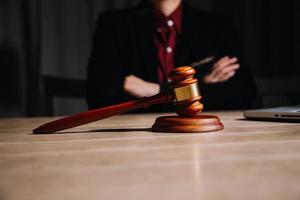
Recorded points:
222,70
139,88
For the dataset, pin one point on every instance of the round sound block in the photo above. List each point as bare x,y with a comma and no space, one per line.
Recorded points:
197,124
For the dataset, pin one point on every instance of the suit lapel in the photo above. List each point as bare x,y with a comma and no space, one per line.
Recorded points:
185,44
143,26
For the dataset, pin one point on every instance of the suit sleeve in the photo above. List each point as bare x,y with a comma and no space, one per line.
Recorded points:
105,74
238,92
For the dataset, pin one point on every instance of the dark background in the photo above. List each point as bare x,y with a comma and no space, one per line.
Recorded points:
53,37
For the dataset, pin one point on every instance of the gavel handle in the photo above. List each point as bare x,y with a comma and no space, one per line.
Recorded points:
101,113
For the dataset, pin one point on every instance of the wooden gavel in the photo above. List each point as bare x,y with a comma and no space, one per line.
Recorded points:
185,93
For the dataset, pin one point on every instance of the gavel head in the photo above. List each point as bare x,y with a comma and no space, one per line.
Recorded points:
186,91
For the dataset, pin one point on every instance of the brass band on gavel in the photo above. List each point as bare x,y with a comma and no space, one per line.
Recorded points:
187,92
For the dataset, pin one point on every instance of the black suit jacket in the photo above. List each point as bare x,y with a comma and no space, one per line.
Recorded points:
124,45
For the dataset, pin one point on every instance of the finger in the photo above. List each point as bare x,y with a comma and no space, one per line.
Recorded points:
221,71
228,62
210,79
221,60
227,76
225,63
226,70
218,64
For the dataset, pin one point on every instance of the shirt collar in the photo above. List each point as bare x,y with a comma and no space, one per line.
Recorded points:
161,20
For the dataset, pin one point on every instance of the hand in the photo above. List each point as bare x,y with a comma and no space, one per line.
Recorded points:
139,88
222,70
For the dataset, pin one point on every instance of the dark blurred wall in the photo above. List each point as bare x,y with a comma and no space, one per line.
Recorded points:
53,37
12,63
270,33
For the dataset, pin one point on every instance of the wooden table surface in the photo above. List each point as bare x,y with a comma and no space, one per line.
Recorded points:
119,158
